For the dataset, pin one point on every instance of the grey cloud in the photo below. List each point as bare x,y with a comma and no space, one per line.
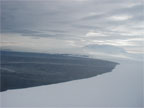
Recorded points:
26,16
22,17
94,17
71,20
114,37
105,49
109,50
135,11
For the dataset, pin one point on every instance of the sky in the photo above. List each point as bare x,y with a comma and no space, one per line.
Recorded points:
112,28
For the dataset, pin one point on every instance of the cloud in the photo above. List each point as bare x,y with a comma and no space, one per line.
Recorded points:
93,34
77,23
35,18
120,18
110,49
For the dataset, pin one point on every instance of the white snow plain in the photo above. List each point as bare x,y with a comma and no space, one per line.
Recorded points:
120,88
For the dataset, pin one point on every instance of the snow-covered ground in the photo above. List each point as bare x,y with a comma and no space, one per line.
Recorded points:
120,88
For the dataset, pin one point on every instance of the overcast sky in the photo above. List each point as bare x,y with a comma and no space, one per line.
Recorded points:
90,27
